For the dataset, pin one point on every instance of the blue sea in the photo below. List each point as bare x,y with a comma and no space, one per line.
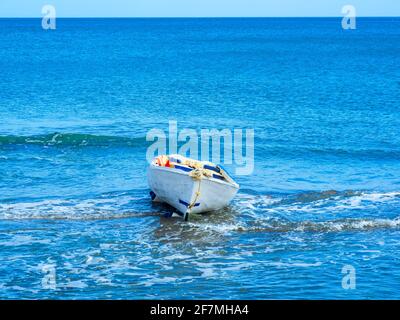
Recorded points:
77,102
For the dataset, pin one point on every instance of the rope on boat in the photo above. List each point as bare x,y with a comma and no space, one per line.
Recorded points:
195,199
197,175
192,163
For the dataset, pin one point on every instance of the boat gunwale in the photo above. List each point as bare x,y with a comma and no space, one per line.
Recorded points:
186,173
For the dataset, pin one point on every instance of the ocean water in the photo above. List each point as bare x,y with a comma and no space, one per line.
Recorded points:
77,102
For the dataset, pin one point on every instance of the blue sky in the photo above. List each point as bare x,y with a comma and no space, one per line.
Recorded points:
197,8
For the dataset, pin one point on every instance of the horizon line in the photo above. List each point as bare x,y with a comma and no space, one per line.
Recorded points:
193,17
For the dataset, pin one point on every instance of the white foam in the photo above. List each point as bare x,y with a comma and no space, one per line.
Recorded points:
255,202
294,264
223,228
67,209
348,224
78,284
156,280
177,256
21,240
208,273
94,260
364,200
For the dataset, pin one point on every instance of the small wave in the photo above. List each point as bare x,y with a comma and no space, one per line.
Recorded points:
72,139
321,195
294,264
299,151
326,211
305,212
282,226
89,209
357,153
328,226
316,201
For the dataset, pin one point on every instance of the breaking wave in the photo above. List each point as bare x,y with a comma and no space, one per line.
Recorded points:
104,207
327,211
72,139
83,139
305,226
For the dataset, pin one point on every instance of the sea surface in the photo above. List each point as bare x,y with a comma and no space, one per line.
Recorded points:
76,103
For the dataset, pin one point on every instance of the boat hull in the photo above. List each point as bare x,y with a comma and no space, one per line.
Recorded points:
186,194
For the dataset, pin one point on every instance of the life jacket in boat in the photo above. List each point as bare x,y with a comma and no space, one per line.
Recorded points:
163,161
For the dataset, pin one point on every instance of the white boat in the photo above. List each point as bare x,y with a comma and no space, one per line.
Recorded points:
190,186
